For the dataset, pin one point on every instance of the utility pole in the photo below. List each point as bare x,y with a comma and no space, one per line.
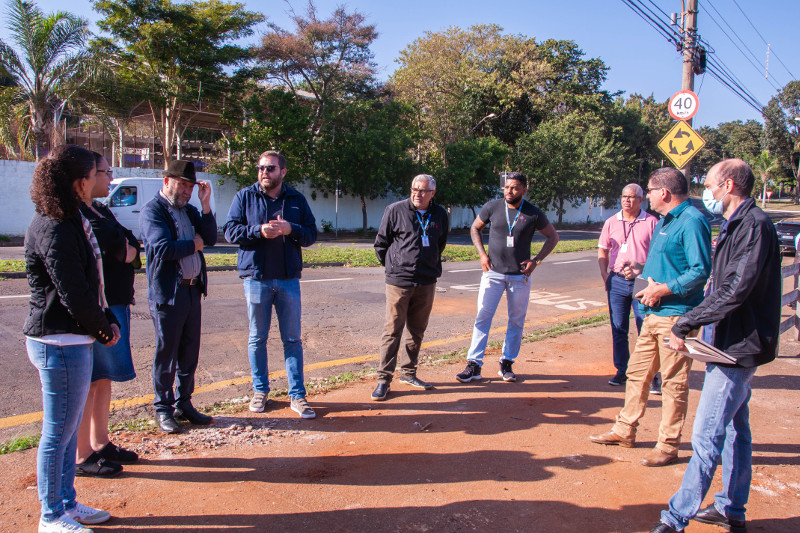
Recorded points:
689,50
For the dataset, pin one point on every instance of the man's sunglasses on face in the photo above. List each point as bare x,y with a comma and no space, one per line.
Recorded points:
266,168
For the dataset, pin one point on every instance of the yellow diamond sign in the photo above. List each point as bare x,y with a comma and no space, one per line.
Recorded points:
681,144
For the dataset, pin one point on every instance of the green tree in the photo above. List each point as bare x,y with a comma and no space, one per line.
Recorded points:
456,77
640,123
470,176
331,59
47,65
174,53
265,120
366,151
763,165
568,159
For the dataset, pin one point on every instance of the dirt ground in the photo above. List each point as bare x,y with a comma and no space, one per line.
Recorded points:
488,456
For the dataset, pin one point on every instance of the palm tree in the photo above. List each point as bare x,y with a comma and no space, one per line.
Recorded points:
763,165
43,66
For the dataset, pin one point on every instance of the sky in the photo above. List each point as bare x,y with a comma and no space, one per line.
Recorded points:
640,60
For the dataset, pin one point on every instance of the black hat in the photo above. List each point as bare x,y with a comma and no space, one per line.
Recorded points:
181,169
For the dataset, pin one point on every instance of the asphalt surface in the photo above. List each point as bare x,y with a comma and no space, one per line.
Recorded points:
343,313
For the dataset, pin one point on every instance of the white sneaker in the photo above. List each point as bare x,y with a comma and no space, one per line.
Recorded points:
65,524
88,515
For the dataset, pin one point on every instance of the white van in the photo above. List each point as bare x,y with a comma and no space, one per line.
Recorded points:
127,197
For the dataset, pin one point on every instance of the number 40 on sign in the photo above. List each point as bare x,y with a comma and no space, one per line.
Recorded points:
683,105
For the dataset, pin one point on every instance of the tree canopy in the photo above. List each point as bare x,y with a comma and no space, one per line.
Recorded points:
174,53
45,64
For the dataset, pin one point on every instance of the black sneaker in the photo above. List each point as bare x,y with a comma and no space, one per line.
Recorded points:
618,380
472,372
505,371
414,381
380,391
97,466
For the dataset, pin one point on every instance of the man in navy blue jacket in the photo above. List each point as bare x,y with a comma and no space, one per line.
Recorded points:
270,222
174,234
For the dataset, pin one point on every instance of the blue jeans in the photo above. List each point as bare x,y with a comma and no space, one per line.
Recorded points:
721,428
65,373
620,301
284,294
518,291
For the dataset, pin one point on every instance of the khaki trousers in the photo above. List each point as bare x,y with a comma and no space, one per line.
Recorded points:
649,356
408,307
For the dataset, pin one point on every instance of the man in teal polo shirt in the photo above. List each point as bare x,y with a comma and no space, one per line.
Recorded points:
678,265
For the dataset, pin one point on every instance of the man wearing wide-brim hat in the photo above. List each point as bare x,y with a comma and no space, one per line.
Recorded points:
174,233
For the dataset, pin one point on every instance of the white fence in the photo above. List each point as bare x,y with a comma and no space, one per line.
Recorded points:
16,208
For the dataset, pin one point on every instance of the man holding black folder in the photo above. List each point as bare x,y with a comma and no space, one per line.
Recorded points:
744,309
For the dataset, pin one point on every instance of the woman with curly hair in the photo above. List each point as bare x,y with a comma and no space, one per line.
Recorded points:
97,455
67,313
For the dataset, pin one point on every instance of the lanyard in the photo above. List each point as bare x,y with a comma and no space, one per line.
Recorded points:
630,230
508,220
424,225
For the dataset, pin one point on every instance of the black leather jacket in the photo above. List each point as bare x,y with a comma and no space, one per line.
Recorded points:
62,274
745,301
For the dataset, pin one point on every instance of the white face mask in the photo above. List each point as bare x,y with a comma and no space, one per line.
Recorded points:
711,203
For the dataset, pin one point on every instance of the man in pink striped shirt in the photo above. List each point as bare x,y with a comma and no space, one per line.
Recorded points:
621,252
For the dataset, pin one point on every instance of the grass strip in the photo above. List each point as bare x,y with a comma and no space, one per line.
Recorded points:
19,443
320,256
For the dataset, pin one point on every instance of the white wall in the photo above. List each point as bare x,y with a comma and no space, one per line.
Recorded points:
16,208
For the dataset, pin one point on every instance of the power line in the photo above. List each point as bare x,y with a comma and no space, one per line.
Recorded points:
716,67
764,40
727,34
666,32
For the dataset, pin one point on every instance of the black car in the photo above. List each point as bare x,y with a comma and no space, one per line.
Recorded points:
787,231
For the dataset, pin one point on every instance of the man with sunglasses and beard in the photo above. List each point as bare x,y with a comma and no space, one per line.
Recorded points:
270,222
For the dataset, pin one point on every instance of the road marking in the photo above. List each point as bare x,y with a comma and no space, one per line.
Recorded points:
319,280
568,262
466,270
18,296
30,418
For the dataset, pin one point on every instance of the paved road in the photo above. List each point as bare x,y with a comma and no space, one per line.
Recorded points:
343,311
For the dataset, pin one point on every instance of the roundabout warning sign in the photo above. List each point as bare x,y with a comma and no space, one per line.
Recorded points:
681,144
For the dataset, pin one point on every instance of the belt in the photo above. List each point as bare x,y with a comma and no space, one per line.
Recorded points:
620,275
189,282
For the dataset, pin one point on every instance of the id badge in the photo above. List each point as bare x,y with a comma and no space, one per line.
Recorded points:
426,241
624,248
510,241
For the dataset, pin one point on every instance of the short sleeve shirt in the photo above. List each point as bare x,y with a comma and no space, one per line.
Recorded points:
505,259
627,242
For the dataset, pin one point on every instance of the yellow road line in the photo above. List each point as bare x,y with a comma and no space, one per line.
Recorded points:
31,418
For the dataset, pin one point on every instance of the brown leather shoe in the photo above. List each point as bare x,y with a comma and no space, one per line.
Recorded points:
659,458
611,439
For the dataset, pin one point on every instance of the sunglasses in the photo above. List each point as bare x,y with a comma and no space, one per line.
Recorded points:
266,168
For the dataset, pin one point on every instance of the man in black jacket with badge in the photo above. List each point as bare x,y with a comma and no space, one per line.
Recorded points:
743,310
409,244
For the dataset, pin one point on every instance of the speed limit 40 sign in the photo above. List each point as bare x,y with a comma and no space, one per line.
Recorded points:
683,105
